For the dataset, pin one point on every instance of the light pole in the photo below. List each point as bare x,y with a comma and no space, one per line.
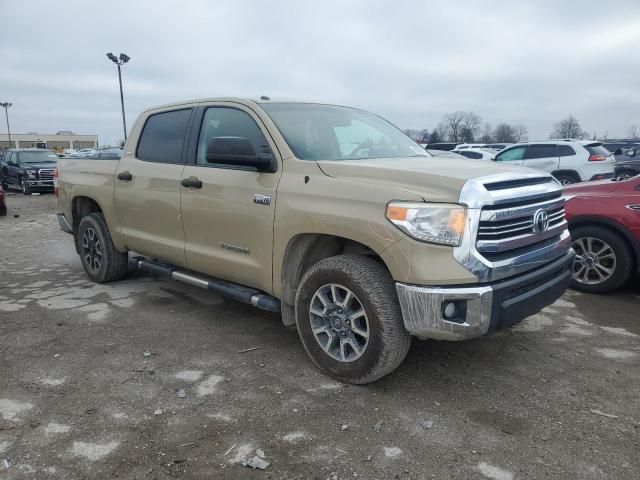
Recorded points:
6,106
120,61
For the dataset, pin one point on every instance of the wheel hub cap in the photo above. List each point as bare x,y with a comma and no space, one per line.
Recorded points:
595,261
339,322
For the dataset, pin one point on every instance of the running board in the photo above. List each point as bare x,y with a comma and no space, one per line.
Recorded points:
229,290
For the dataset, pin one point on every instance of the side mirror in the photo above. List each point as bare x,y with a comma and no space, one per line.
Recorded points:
237,151
618,151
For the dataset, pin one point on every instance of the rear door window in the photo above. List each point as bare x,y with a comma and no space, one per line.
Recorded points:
541,151
566,151
515,153
163,137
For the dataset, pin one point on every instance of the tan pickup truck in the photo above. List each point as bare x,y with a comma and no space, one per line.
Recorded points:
327,214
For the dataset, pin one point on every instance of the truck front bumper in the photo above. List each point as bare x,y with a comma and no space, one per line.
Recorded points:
460,313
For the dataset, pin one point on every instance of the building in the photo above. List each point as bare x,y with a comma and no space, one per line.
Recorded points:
58,141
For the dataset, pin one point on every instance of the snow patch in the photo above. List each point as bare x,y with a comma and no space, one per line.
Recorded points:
294,437
208,386
54,427
189,375
615,354
392,452
495,473
10,409
93,451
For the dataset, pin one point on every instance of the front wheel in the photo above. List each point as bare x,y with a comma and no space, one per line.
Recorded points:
100,259
603,260
24,186
349,319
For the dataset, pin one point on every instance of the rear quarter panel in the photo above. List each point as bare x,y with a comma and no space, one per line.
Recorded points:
79,177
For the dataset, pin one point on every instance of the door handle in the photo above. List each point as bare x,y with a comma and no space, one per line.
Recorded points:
193,182
125,176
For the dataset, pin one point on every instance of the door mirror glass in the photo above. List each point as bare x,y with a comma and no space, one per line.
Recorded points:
237,151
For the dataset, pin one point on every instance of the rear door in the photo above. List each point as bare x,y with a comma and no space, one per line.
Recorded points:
147,187
542,157
228,217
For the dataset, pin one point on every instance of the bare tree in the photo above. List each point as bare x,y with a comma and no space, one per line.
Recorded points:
453,123
633,131
471,124
521,132
442,130
487,133
567,128
504,133
435,136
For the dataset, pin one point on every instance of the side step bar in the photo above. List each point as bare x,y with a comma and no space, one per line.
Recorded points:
229,290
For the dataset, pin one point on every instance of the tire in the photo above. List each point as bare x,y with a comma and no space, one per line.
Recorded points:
100,259
566,178
24,186
3,210
615,256
625,174
374,293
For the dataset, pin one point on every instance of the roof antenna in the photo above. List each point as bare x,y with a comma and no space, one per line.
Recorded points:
264,97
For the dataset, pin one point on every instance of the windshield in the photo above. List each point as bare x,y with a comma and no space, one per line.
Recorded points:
328,132
37,157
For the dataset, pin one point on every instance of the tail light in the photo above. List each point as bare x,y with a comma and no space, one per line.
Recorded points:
597,158
55,181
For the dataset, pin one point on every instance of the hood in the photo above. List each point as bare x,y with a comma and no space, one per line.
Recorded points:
433,178
600,187
38,166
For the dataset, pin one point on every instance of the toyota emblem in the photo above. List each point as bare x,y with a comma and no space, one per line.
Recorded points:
540,221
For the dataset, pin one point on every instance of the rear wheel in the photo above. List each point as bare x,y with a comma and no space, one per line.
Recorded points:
100,259
349,319
566,178
604,261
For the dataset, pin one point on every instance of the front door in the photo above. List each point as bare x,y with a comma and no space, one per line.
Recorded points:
227,210
147,188
542,157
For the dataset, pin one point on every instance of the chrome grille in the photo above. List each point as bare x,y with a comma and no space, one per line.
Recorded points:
46,173
508,227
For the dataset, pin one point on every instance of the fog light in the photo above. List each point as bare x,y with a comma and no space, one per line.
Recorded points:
450,310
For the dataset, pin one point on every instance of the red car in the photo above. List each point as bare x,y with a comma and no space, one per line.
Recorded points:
3,202
604,220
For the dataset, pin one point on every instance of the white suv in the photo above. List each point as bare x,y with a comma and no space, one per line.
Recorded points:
570,161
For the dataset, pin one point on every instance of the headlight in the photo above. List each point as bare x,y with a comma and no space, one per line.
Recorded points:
31,172
441,223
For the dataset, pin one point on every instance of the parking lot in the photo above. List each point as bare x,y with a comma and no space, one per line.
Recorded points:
146,378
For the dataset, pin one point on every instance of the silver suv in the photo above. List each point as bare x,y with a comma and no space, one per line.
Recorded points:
570,161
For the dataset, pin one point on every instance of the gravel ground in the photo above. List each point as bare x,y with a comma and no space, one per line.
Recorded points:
91,378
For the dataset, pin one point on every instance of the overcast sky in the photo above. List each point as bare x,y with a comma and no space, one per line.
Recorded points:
530,62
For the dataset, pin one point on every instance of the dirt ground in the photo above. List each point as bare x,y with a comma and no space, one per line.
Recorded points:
90,377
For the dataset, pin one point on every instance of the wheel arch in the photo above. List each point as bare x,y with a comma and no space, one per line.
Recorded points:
304,250
613,226
81,206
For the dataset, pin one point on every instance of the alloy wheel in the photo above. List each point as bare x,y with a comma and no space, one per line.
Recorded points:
595,261
91,249
339,322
